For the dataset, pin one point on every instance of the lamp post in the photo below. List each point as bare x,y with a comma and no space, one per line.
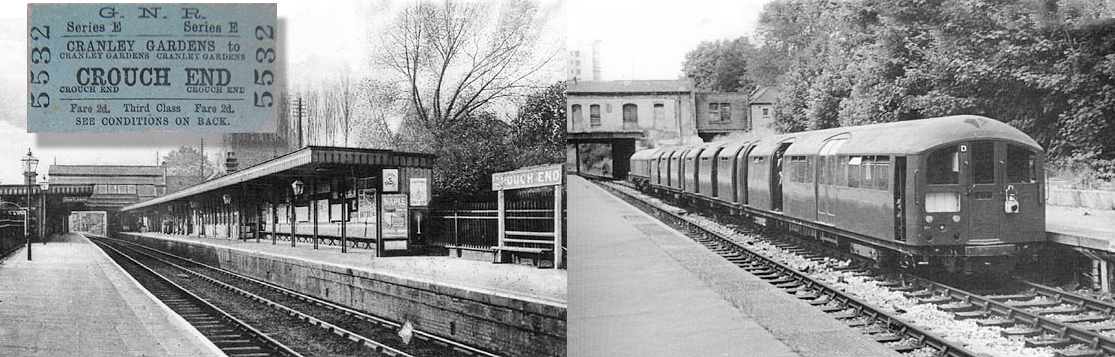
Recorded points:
30,163
296,189
45,185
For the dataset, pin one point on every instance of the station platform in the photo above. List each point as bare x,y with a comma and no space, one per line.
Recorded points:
639,288
1082,228
512,280
73,300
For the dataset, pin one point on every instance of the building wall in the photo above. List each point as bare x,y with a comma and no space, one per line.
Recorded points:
674,122
762,124
738,118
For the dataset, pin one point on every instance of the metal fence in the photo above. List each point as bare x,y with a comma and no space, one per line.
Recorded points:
476,224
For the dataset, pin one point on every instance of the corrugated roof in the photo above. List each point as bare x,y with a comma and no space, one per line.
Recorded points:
634,86
105,170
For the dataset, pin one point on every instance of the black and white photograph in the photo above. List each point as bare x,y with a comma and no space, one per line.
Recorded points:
290,178
841,178
558,178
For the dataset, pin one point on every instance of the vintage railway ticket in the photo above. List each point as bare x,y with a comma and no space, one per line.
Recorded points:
96,68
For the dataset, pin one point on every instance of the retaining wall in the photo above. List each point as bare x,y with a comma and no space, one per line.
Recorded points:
497,323
1104,200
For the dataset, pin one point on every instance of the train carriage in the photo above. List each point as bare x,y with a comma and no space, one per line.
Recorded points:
960,192
732,163
707,171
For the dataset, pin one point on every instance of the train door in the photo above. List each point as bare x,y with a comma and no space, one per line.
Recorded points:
742,175
900,198
827,164
776,177
983,198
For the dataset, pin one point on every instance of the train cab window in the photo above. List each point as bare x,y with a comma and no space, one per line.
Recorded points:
983,162
1021,167
942,167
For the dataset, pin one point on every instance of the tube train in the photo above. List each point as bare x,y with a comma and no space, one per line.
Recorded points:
958,193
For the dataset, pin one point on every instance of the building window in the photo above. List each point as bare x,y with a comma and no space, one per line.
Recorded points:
766,112
719,112
577,116
594,115
630,113
659,112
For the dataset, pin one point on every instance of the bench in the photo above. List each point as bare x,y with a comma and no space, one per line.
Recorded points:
536,254
461,248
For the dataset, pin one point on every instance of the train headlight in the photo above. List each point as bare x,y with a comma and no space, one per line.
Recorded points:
956,218
941,227
928,219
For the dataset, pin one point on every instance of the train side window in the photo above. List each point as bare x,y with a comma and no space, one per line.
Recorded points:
983,162
841,173
1021,166
882,172
854,171
942,167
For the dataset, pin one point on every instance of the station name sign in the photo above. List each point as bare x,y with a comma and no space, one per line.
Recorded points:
95,68
526,178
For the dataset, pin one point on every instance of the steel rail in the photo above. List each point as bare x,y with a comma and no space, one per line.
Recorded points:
1034,321
314,300
350,335
267,341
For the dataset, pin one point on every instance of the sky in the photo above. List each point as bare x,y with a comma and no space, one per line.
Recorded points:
322,40
648,39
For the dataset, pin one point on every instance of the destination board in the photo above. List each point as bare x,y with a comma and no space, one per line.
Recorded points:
95,68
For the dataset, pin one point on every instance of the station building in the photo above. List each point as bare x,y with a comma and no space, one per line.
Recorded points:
375,199
610,120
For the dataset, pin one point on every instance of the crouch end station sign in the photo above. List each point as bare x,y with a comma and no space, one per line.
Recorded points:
526,178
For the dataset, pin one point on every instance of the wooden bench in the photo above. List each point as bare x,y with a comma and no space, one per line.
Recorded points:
536,254
461,248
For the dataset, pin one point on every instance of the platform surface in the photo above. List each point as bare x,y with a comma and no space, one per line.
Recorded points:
511,280
1081,227
72,300
639,288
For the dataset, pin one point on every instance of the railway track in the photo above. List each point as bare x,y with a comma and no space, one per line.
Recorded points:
231,335
1049,321
361,329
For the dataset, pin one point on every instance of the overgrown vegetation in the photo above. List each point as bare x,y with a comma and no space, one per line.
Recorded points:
1046,67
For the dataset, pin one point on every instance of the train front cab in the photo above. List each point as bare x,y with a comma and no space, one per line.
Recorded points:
983,197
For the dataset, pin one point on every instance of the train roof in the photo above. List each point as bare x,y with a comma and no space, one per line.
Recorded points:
644,154
911,137
713,148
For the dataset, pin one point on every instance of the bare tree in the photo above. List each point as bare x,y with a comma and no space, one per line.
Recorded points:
457,56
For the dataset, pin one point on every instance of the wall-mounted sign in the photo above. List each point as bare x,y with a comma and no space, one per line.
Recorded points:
419,192
390,180
394,215
95,68
366,206
70,199
532,177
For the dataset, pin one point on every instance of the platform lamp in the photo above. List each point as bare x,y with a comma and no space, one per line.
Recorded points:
30,164
45,185
296,188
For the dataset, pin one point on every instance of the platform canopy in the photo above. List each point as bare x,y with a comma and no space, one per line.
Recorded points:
311,160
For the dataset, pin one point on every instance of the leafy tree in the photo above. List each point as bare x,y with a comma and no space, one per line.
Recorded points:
468,153
186,161
720,65
538,134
